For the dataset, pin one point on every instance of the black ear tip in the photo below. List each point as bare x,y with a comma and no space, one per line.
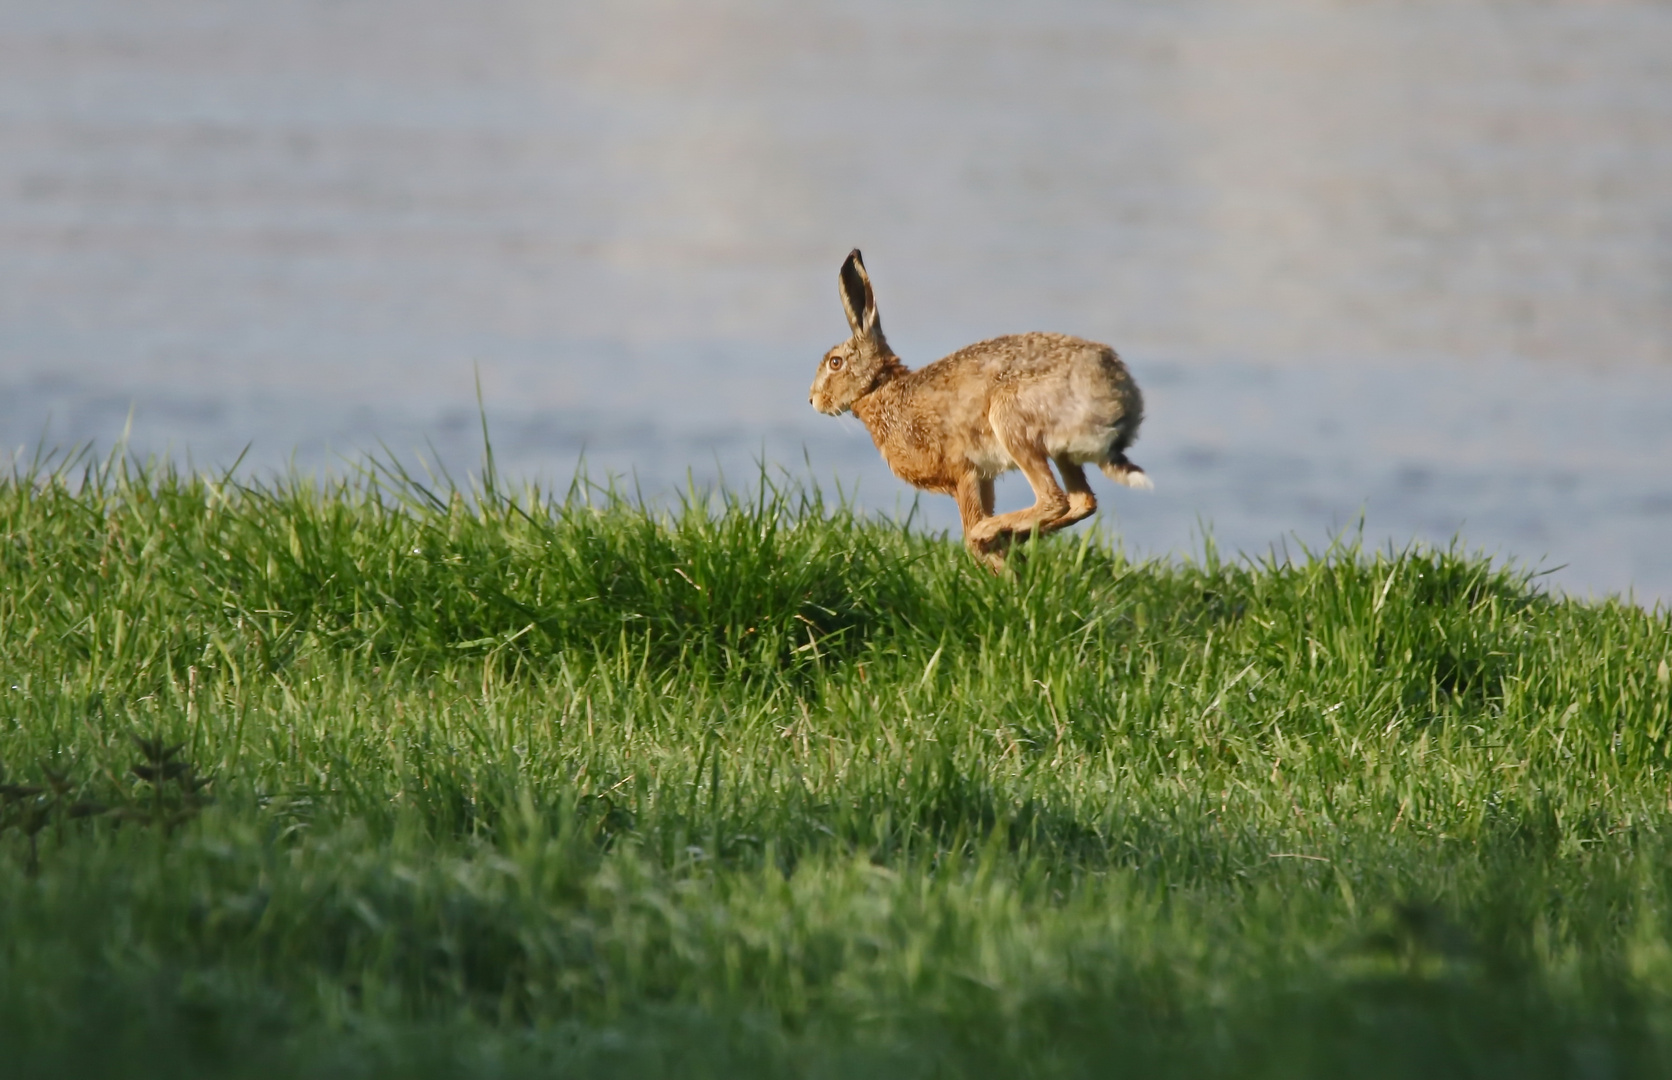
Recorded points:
854,258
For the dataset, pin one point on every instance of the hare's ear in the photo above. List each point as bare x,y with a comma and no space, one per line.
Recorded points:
857,299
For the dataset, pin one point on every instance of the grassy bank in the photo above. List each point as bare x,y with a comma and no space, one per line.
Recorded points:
370,779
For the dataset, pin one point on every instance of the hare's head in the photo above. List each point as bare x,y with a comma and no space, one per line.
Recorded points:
855,367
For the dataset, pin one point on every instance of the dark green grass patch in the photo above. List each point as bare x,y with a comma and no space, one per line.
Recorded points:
363,778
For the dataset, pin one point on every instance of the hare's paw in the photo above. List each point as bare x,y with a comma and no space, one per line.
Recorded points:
992,549
992,554
987,532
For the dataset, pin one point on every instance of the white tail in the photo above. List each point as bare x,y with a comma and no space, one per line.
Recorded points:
1124,472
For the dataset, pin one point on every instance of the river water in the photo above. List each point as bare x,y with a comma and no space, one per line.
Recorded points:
1410,262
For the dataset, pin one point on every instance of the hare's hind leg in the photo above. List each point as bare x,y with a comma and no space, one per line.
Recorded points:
1027,450
1082,503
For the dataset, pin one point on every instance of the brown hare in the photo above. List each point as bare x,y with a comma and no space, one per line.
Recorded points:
1017,402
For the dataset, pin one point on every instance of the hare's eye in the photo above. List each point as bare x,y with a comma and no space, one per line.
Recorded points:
835,363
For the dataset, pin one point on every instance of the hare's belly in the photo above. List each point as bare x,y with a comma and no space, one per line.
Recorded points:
989,458
1082,446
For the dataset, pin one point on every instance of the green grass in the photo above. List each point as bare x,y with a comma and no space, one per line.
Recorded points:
507,786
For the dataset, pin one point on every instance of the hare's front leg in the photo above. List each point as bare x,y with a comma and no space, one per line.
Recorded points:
975,506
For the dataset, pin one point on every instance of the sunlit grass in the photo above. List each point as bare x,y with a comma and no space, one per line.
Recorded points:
494,783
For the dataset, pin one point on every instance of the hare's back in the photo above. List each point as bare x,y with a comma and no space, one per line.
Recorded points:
1020,358
1047,369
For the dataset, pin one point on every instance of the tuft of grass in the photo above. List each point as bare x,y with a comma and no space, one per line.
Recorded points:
521,784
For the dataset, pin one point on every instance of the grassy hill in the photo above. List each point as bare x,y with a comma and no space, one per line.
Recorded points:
362,778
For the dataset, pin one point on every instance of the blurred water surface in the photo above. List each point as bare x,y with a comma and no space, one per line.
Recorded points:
1410,260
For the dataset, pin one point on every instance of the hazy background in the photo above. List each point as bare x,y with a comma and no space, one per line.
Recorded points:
1413,259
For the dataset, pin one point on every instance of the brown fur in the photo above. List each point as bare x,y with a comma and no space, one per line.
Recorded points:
1017,402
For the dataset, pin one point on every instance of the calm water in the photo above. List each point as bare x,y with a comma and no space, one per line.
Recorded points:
1407,260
